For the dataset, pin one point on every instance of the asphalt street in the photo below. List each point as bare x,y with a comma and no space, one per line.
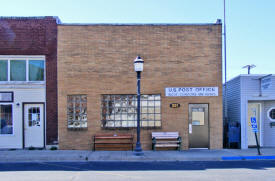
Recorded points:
195,170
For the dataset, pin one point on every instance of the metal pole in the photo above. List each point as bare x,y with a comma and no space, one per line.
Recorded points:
225,78
258,147
225,66
138,149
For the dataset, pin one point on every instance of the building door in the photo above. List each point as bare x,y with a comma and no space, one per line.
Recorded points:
33,125
198,126
253,111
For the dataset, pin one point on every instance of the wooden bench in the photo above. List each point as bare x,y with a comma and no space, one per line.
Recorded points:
113,142
166,140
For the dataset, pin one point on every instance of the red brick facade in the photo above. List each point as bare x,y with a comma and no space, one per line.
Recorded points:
35,36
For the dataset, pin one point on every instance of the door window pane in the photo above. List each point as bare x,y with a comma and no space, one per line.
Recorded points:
18,70
6,119
36,70
34,116
197,116
3,70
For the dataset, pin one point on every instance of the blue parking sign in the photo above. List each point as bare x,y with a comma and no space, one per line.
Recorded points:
254,125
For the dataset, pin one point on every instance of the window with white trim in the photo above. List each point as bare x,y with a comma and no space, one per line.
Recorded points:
77,111
120,111
6,126
22,69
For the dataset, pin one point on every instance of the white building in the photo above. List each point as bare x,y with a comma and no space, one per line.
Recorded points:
22,101
253,96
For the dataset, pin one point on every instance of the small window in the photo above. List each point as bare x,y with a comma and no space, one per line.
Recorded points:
36,70
3,70
18,70
271,114
77,111
6,96
6,126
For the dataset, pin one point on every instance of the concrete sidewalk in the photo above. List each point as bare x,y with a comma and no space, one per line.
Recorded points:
187,155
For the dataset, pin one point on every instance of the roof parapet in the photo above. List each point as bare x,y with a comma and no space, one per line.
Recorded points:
58,21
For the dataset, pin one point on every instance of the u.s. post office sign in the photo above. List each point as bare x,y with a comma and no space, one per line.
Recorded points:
191,91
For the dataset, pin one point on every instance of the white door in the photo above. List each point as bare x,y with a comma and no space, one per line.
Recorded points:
34,125
253,111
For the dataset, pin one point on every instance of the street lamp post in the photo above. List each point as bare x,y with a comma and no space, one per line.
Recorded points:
138,64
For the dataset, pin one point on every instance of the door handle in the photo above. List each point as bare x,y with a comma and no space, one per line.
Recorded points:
190,128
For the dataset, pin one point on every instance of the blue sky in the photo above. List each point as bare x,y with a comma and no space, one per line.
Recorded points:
250,23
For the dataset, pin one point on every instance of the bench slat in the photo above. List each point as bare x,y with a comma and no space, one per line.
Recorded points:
113,142
167,142
168,136
112,134
113,146
165,137
165,133
167,145
115,137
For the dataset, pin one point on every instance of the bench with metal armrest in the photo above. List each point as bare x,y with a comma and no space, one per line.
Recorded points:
166,140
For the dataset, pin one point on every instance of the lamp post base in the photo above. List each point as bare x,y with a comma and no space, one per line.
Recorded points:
138,150
138,153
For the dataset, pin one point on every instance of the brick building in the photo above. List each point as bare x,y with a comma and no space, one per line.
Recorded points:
97,82
28,81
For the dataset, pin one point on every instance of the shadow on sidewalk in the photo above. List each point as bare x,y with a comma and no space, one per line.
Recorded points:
135,166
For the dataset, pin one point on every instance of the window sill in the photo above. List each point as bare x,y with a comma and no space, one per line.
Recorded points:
77,129
6,135
130,128
22,82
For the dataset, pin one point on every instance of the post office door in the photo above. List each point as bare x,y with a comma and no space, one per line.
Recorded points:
198,126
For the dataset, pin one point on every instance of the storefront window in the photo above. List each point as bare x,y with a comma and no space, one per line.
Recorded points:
3,70
77,111
121,111
18,70
6,126
36,70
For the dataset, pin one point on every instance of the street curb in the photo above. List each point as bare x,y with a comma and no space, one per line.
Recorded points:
232,158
